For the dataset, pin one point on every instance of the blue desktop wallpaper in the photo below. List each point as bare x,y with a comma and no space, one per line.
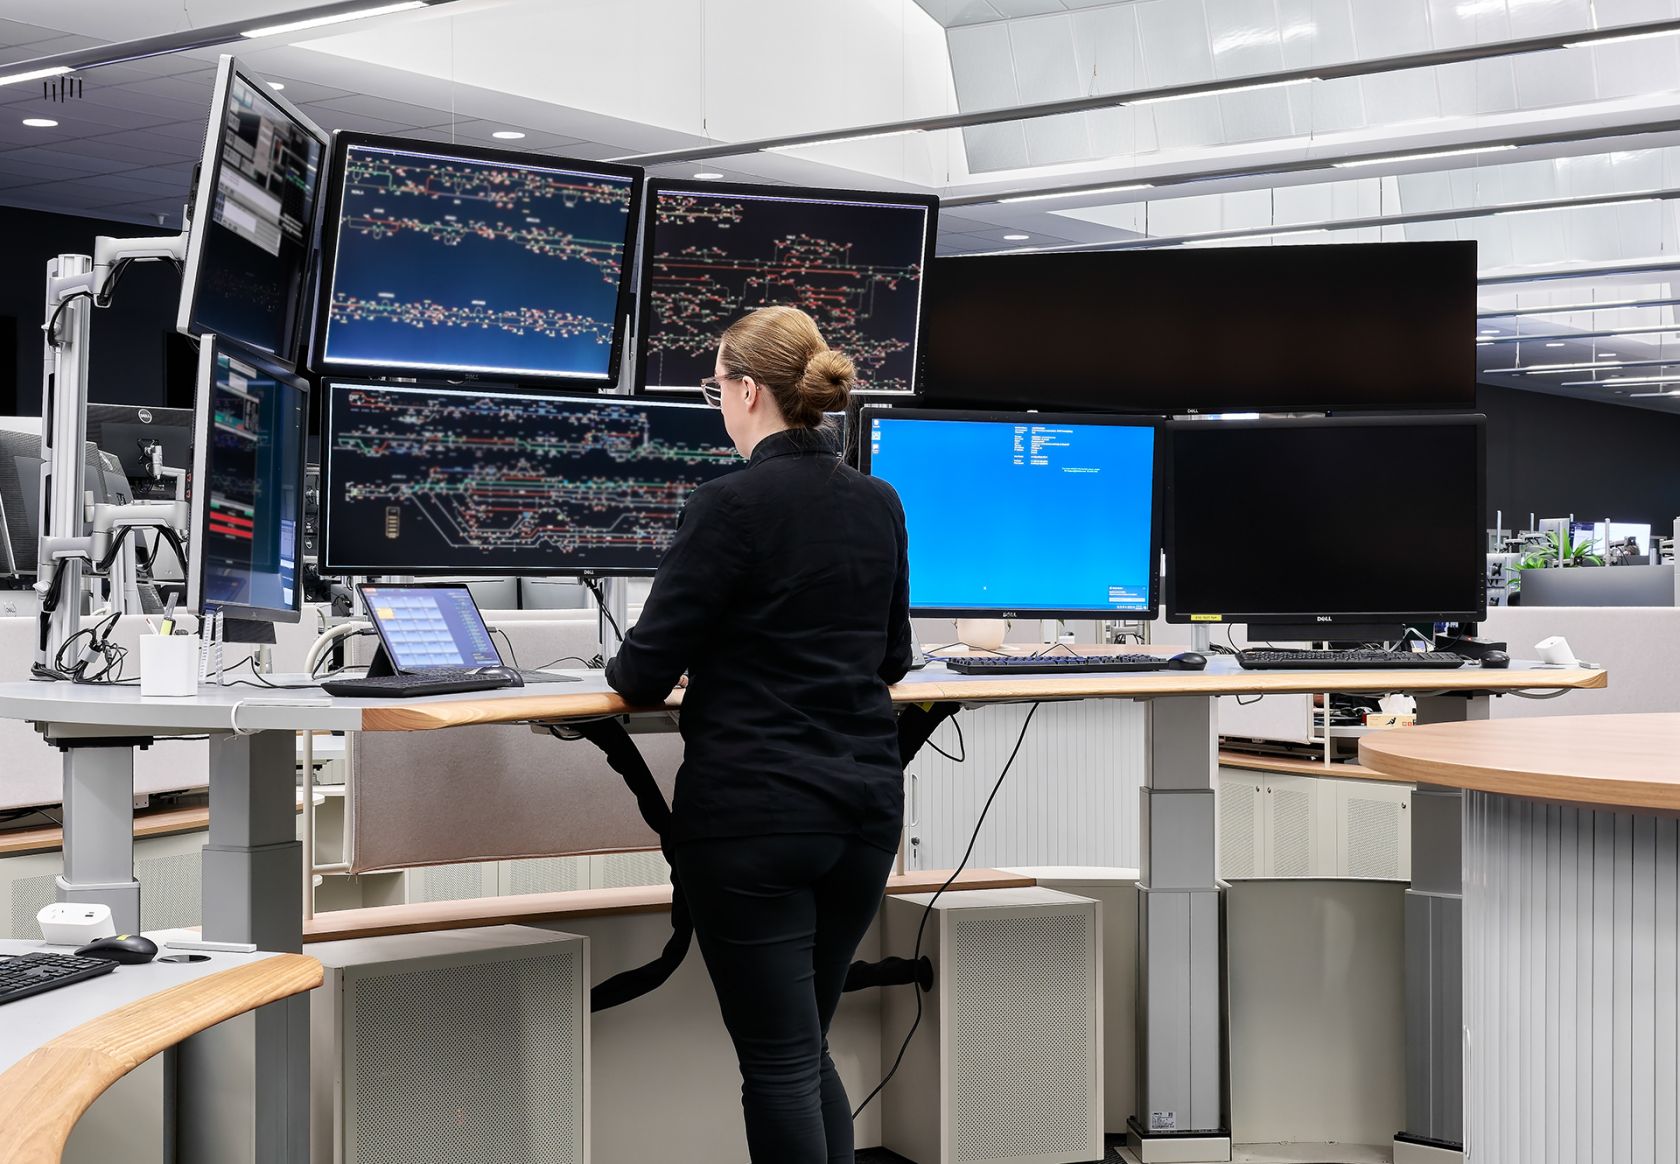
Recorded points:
1007,516
472,267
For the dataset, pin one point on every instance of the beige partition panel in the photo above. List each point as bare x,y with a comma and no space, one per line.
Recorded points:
498,791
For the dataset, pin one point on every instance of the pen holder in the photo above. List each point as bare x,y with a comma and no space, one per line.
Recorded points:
168,665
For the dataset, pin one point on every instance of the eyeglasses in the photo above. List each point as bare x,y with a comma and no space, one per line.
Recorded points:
712,388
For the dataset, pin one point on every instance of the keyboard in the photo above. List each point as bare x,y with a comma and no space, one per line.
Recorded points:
1349,660
399,686
25,974
1053,664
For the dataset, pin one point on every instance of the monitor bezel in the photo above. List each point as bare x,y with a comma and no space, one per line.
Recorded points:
199,509
644,264
203,200
379,625
331,206
332,566
1328,620
869,412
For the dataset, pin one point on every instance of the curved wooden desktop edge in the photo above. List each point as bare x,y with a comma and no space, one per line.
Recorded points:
928,687
1627,761
45,1093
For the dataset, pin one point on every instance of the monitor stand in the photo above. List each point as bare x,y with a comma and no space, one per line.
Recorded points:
247,630
1339,634
381,664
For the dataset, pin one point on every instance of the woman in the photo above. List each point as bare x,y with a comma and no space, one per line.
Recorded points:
785,598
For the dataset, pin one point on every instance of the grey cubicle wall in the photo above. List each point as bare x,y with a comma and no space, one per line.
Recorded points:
1599,586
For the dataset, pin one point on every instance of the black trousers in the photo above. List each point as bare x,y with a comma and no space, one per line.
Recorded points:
779,919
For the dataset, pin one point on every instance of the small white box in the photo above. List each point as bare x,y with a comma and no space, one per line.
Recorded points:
168,665
71,923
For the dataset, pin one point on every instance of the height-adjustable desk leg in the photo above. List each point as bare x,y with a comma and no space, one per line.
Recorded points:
1180,1022
243,1086
1434,971
99,828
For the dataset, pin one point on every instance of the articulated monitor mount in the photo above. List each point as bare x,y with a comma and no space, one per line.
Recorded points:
75,285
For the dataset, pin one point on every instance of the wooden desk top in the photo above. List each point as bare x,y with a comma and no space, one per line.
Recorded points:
530,908
935,683
1629,761
47,1089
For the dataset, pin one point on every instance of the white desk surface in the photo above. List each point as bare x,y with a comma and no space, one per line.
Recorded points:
31,1022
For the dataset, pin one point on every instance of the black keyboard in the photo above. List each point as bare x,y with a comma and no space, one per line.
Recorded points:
1349,660
25,974
398,686
1053,664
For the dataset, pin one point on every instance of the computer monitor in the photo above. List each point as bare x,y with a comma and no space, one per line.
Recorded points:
1021,515
247,486
422,480
1372,327
252,233
1342,529
856,262
132,432
474,264
20,495
428,628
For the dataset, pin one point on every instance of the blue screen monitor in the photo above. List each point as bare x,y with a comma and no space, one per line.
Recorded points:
430,627
444,260
247,485
1031,515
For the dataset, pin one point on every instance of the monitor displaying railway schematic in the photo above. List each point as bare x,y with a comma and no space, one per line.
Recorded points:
449,481
854,261
474,264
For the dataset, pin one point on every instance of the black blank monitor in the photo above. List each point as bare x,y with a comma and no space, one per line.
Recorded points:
444,481
253,224
247,486
855,262
474,264
1330,523
1381,326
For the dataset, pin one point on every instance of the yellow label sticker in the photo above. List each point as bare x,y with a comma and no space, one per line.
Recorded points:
1207,618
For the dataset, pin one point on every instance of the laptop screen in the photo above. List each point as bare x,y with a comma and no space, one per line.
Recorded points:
426,627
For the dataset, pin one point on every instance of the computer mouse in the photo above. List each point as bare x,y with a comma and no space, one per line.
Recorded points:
506,674
1187,661
129,949
1495,660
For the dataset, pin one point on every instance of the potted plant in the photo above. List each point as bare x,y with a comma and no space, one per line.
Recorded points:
1560,548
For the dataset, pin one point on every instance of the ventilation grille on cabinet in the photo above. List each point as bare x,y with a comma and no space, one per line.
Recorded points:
171,890
547,874
1373,837
446,882
1292,818
1237,828
625,870
492,1076
1022,1060
30,895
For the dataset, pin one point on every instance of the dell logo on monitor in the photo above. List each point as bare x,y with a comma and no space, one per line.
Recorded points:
1325,618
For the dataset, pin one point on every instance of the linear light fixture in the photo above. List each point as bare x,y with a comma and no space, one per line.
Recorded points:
1224,91
1659,329
1623,39
1426,156
1488,50
205,36
330,18
1254,236
1127,188
1620,380
34,74
1595,202
805,145
1581,308
1562,370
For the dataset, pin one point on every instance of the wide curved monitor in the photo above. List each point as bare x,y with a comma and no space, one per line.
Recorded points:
420,480
855,261
247,486
251,239
475,264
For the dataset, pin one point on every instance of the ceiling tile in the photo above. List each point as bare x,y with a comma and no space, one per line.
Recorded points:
393,112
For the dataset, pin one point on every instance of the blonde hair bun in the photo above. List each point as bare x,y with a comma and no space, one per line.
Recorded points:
827,381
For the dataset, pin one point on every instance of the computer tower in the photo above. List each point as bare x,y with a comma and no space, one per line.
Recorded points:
459,1047
1007,1065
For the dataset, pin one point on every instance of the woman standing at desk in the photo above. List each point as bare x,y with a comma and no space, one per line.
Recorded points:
785,597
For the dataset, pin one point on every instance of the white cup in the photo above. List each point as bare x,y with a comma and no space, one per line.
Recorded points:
983,634
168,665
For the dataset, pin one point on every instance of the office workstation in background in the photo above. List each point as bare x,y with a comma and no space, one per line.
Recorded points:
447,417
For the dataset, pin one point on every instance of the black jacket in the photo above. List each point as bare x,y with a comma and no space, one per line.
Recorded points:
785,596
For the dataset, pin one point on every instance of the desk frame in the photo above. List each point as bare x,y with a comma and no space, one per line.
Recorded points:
252,867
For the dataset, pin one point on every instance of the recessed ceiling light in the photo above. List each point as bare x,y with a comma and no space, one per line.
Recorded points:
508,134
1555,345
1428,156
277,85
1016,237
40,122
708,175
1489,331
1607,355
